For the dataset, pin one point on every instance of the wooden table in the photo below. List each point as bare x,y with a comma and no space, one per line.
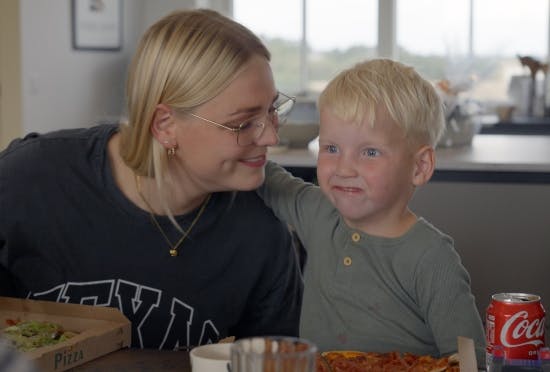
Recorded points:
139,360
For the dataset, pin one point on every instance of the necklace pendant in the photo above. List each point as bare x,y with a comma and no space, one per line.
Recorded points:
173,252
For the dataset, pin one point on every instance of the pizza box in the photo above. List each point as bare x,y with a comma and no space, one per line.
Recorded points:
101,330
467,355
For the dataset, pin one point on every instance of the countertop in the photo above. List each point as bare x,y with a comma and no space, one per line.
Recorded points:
489,153
516,125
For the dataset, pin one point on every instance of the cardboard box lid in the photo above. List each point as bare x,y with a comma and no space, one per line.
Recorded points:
101,330
467,355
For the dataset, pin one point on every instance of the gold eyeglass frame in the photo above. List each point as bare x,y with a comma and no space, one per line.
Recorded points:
260,124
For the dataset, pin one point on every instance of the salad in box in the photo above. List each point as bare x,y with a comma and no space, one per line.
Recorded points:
59,336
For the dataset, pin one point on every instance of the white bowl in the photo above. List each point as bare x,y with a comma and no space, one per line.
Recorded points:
211,358
298,135
302,124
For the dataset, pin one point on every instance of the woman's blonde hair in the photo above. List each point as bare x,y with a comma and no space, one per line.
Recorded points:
411,101
183,60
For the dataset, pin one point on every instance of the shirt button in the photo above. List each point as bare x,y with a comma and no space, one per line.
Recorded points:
355,237
347,261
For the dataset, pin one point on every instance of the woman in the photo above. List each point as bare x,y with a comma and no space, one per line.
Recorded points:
157,217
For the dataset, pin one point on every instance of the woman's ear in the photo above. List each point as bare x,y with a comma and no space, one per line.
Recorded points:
163,126
424,165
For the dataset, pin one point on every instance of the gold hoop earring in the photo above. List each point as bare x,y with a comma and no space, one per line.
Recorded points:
171,151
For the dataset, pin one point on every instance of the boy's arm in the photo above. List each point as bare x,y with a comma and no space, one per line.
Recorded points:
449,304
284,194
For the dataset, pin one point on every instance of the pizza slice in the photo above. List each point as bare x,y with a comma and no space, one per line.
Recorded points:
356,361
32,334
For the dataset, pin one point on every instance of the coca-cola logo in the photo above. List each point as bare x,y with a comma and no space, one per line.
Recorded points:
517,331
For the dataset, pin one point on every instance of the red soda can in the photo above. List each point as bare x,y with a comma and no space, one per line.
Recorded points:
515,323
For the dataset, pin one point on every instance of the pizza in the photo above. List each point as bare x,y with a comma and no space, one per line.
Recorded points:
32,334
358,361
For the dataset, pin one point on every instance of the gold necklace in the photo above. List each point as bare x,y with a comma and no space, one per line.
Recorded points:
173,247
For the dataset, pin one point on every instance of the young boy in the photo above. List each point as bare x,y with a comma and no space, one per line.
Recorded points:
377,277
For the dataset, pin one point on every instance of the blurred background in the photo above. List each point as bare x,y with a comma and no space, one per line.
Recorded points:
473,44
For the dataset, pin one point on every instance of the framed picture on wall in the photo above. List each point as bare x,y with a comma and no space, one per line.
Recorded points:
96,24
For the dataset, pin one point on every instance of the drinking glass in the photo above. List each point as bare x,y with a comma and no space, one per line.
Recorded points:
273,354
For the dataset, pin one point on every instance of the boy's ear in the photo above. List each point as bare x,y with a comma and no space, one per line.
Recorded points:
424,165
163,126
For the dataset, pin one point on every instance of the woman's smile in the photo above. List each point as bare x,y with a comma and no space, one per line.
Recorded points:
255,162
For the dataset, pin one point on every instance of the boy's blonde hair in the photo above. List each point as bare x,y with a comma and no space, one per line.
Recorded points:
411,101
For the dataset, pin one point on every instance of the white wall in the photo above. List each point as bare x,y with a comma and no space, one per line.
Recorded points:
10,72
62,87
67,88
153,10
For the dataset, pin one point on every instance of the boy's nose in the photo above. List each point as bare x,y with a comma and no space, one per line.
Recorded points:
345,167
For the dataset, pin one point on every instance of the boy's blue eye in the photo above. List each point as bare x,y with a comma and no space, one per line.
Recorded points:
332,148
371,153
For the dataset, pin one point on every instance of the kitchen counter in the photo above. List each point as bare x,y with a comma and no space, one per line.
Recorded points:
516,125
498,153
493,158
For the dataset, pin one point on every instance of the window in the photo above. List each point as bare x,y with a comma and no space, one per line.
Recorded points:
473,41
337,34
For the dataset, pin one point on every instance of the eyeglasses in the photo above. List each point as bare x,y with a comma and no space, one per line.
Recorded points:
249,131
